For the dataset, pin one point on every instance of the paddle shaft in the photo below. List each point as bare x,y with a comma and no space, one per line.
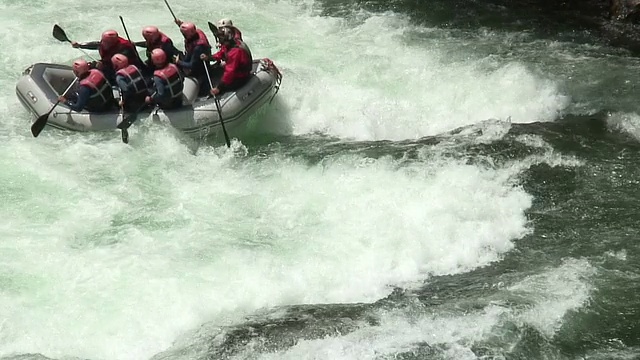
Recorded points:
40,123
129,39
126,122
171,11
224,129
90,57
124,132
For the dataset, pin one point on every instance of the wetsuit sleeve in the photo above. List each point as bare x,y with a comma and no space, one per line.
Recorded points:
193,59
122,84
160,93
83,97
89,45
219,55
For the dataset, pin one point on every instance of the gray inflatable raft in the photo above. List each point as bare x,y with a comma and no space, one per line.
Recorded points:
42,83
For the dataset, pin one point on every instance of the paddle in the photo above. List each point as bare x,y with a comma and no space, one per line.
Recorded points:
60,35
125,133
128,38
214,30
171,11
226,136
40,123
127,121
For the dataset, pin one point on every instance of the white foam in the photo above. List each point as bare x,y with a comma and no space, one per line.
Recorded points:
454,332
625,122
392,90
115,250
175,239
555,293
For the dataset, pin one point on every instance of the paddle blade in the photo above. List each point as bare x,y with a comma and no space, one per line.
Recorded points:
127,121
214,30
39,124
212,27
125,136
59,34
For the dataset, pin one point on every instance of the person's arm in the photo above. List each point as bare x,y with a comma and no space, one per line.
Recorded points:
219,55
160,92
124,87
81,101
193,59
89,45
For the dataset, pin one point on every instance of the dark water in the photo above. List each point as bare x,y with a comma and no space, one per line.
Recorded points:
585,219
586,213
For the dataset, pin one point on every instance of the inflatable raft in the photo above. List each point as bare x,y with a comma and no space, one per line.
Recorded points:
42,83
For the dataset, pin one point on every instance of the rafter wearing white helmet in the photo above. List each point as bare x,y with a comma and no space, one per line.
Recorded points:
227,23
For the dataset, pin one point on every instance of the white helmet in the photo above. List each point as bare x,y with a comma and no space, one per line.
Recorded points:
225,22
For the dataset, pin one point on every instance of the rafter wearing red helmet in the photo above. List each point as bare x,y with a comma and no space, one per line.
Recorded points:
195,44
167,81
132,84
110,43
94,91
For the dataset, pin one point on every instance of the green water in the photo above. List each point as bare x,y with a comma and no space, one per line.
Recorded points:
423,187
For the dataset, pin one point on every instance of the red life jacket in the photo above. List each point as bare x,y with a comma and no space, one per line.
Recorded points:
201,39
238,66
170,76
222,53
158,44
101,93
120,48
134,77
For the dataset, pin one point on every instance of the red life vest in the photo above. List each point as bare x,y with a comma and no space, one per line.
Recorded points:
134,77
201,39
158,44
120,48
101,93
164,39
170,76
238,66
222,53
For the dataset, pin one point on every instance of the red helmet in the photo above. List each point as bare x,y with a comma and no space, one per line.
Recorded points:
158,57
188,29
150,33
119,61
80,67
109,37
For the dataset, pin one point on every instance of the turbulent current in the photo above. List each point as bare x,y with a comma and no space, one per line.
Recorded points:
432,181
